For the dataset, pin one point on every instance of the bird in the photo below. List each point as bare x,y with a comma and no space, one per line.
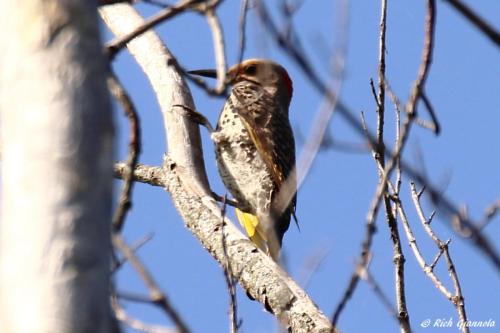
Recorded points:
255,149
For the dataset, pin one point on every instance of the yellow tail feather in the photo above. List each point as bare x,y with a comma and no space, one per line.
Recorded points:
250,223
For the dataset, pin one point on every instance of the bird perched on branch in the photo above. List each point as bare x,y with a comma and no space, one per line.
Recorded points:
255,149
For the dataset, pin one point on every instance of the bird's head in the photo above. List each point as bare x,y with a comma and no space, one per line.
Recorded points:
268,74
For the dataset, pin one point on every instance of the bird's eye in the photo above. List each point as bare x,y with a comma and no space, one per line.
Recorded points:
250,70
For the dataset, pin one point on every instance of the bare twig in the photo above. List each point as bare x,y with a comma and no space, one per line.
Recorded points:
134,297
380,100
364,257
399,175
457,299
219,47
312,264
425,65
242,30
428,269
364,261
434,125
125,203
136,324
379,156
476,20
374,92
119,43
135,247
490,214
365,275
158,297
229,277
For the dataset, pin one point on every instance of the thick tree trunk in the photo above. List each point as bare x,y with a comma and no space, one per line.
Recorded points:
57,142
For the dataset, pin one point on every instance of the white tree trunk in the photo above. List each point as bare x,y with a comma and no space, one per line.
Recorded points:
57,140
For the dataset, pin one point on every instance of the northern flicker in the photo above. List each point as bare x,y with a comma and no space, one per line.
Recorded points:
255,149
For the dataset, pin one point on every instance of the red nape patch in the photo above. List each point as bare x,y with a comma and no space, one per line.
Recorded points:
288,82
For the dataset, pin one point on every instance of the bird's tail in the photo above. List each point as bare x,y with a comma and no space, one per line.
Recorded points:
254,231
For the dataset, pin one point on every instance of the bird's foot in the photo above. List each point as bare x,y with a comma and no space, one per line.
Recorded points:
196,117
223,198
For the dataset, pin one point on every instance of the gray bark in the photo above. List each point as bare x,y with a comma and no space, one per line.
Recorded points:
57,142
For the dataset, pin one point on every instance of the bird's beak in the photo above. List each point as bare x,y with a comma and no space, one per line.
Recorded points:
212,73
204,72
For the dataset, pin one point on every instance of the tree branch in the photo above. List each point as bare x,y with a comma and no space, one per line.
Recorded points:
157,296
134,149
186,181
476,20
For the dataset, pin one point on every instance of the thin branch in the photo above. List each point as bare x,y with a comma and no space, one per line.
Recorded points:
136,324
134,297
219,47
434,126
119,43
374,92
379,156
135,247
436,259
312,264
457,299
399,175
134,148
426,222
476,20
425,65
490,213
158,297
380,100
229,277
366,276
365,254
242,30
427,269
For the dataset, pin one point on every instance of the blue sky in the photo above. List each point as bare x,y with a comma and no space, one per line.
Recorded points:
333,202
